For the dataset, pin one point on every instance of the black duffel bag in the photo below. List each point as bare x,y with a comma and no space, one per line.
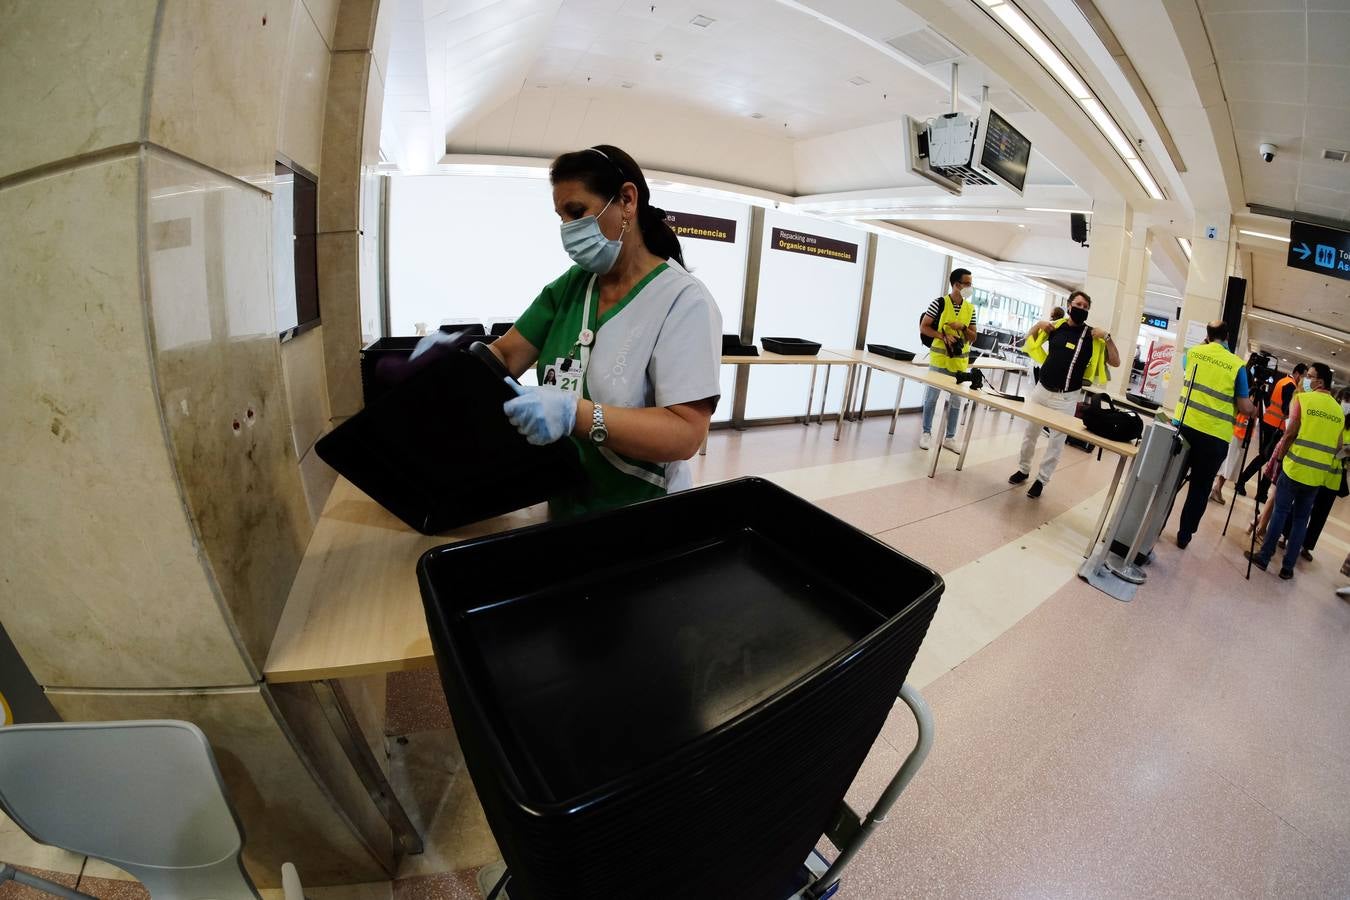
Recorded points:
1101,417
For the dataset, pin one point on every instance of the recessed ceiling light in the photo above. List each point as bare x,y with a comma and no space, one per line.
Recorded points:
627,84
1021,226
1298,348
757,115
701,21
858,80
1262,234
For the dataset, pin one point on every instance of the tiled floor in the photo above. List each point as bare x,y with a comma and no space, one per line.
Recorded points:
1192,743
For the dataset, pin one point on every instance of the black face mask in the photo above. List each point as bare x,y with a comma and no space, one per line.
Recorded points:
1077,315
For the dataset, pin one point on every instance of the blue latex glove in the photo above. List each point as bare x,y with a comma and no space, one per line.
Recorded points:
543,414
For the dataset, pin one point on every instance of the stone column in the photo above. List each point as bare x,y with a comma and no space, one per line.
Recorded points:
1206,280
1108,260
154,516
1125,326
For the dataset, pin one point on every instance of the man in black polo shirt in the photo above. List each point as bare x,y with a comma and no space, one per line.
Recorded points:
1073,350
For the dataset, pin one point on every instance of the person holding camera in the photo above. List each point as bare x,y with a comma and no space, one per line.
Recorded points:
949,324
1272,430
1070,352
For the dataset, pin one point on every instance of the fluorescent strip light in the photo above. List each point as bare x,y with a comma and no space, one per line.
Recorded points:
1262,234
1081,212
1034,41
1108,127
1145,178
1185,246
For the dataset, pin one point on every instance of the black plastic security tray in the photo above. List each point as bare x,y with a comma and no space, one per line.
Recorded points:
732,346
892,352
674,694
789,346
438,452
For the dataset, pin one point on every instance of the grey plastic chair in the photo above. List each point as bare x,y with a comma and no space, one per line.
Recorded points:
145,796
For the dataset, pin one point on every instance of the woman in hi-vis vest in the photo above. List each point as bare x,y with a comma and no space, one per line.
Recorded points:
949,326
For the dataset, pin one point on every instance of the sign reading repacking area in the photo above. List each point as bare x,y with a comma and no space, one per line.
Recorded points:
814,245
1316,248
704,228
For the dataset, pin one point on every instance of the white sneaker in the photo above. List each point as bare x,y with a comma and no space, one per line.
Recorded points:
925,441
952,445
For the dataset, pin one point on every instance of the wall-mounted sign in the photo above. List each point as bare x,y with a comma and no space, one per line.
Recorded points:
814,245
1155,321
1315,248
704,228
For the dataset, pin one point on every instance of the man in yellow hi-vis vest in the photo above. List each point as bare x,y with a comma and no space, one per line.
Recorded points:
1308,461
949,326
1213,391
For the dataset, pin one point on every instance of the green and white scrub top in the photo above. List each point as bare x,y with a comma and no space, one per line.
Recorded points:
660,345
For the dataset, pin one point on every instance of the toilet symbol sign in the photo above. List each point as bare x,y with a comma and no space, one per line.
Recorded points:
1316,248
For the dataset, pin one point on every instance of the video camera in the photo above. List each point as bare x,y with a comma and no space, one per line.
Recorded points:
1261,376
974,377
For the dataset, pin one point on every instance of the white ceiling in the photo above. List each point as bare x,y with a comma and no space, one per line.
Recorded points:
1285,69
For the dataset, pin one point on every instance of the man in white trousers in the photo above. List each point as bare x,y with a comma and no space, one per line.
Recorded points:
1071,352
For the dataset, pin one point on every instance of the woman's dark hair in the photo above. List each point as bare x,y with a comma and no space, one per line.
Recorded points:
603,169
1324,374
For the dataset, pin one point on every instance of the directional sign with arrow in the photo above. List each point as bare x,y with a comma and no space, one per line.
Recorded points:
1316,248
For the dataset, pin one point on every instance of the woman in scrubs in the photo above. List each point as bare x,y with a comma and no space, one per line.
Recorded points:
626,344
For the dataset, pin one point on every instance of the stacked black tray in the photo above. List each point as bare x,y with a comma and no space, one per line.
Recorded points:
674,696
437,451
732,346
790,346
892,352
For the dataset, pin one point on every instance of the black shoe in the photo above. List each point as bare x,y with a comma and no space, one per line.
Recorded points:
1183,540
1241,490
1018,477
1035,490
1256,560
1262,496
1306,554
1285,574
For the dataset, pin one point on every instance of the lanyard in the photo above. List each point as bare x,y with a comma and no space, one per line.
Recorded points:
586,336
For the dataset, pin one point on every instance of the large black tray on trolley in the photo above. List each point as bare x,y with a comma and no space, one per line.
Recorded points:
438,452
671,698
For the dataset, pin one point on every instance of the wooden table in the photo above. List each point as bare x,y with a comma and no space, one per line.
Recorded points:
1041,415
826,358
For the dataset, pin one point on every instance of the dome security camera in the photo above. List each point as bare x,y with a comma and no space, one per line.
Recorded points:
1268,152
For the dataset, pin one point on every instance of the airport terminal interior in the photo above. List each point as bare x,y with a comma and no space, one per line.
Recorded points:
755,449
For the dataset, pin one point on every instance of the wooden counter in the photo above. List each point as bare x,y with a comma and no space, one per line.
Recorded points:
355,608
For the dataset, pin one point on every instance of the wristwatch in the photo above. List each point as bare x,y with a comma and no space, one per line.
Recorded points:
598,430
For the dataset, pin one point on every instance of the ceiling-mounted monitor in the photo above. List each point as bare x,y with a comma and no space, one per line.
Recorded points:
963,150
916,157
1004,152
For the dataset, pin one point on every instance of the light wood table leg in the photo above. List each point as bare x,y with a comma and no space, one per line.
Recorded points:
895,413
810,396
1106,506
846,402
944,399
965,440
824,397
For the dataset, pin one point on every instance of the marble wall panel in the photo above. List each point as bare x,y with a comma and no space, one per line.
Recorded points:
301,126
325,14
340,300
355,27
222,391
288,814
74,78
344,140
216,89
306,388
101,580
